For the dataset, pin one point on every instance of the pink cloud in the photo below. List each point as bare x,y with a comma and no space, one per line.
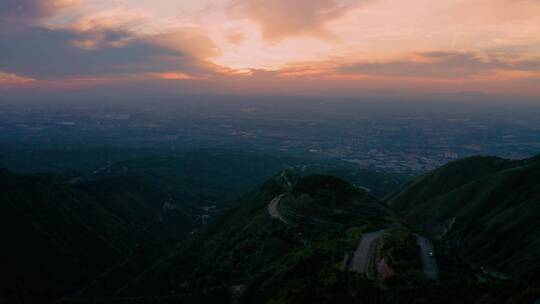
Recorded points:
279,19
12,79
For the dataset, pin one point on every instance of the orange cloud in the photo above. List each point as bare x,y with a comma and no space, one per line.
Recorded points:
274,45
11,79
279,19
235,38
114,19
188,41
444,65
175,76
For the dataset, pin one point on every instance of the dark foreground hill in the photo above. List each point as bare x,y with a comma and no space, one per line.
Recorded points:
487,207
59,238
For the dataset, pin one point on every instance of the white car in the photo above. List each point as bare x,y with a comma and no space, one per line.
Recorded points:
430,253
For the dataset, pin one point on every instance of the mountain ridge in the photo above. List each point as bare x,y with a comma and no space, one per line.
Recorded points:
487,211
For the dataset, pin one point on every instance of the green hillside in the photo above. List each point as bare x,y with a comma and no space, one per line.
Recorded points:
58,238
329,201
247,254
487,207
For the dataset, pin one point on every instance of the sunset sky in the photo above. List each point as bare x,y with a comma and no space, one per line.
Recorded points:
269,46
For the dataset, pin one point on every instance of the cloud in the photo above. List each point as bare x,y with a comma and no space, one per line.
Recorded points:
325,44
186,40
235,38
442,65
175,76
29,12
97,39
44,53
11,79
279,19
38,43
118,18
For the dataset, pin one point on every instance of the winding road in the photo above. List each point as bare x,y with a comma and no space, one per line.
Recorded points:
360,259
429,262
274,212
361,256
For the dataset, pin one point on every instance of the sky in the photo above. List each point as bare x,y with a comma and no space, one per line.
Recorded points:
307,47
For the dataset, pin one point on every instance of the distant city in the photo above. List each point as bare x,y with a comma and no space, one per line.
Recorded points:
404,137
